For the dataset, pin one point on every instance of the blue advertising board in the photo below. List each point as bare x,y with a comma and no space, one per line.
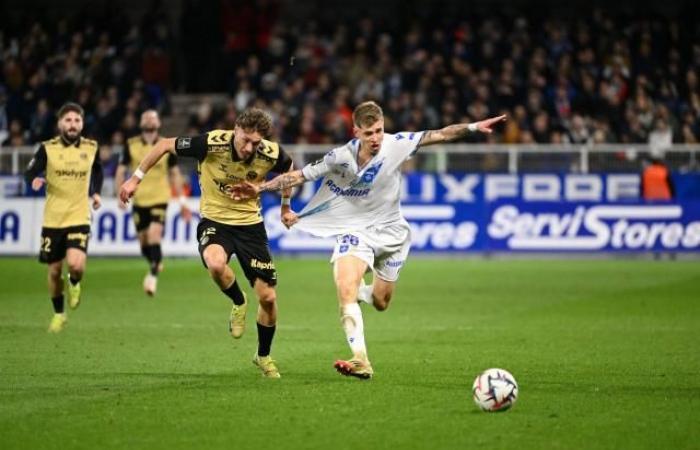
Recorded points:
453,212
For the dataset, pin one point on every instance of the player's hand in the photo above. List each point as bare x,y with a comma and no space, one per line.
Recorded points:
485,125
244,191
126,191
289,217
121,204
185,213
96,201
37,183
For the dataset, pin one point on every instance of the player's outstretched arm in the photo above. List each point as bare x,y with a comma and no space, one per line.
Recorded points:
458,131
247,190
162,147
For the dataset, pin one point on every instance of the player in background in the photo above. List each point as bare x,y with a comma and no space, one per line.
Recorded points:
358,202
73,176
227,157
151,200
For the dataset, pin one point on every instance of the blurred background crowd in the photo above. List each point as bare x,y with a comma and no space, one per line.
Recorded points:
627,75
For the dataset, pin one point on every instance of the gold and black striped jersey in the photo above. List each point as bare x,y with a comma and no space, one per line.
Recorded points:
219,169
154,189
73,172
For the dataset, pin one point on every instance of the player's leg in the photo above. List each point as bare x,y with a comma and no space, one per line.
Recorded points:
55,282
153,236
76,256
266,325
75,261
215,249
348,271
52,252
216,259
393,247
253,253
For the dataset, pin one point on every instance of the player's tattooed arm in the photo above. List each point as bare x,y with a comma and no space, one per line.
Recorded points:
285,181
247,190
459,131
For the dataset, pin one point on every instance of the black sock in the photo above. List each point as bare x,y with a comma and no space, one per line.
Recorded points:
57,304
265,335
146,252
72,280
156,257
234,293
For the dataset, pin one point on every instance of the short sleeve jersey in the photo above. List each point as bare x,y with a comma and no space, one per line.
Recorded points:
219,169
353,198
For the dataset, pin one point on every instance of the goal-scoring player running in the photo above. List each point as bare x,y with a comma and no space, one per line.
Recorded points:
227,157
151,200
73,176
359,202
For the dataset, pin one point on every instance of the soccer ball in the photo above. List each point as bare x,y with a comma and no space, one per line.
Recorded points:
495,390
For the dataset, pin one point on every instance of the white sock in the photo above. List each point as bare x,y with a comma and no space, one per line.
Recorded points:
353,325
364,293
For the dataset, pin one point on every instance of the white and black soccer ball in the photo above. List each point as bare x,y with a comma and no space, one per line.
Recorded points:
495,390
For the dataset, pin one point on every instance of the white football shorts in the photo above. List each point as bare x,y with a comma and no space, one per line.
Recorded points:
384,248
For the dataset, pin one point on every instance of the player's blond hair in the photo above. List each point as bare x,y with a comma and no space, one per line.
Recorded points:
366,114
255,119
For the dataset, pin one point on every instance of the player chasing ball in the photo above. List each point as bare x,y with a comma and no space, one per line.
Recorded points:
359,203
227,157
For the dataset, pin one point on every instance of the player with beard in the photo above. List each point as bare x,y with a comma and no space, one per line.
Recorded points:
151,200
73,176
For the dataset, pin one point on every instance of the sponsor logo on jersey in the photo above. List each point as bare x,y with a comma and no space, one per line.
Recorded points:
72,173
218,148
348,192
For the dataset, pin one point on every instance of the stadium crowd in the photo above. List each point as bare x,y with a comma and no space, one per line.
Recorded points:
594,79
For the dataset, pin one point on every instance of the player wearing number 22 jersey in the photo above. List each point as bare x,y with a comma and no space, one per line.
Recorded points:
359,202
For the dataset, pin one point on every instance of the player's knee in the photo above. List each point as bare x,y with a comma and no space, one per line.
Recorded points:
216,267
267,298
54,272
381,303
347,289
75,268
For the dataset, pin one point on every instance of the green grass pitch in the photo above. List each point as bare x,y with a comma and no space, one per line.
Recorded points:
606,354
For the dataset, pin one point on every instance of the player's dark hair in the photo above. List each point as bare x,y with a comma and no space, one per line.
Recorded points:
70,107
255,119
366,114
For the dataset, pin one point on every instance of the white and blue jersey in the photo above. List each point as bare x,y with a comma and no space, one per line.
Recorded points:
353,198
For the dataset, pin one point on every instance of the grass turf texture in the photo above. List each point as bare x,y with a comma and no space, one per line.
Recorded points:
605,352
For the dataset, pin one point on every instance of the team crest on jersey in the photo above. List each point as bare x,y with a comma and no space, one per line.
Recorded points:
250,176
371,172
83,155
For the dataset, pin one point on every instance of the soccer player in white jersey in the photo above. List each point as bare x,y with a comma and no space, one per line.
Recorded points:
359,202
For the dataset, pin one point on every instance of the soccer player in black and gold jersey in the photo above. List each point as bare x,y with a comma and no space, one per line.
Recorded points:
228,157
73,174
151,200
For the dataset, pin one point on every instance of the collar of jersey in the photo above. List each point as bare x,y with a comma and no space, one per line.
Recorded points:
75,144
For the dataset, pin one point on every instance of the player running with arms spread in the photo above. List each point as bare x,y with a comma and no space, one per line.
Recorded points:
359,202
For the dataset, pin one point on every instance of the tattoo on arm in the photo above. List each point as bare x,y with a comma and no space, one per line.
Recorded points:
447,134
457,131
284,181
